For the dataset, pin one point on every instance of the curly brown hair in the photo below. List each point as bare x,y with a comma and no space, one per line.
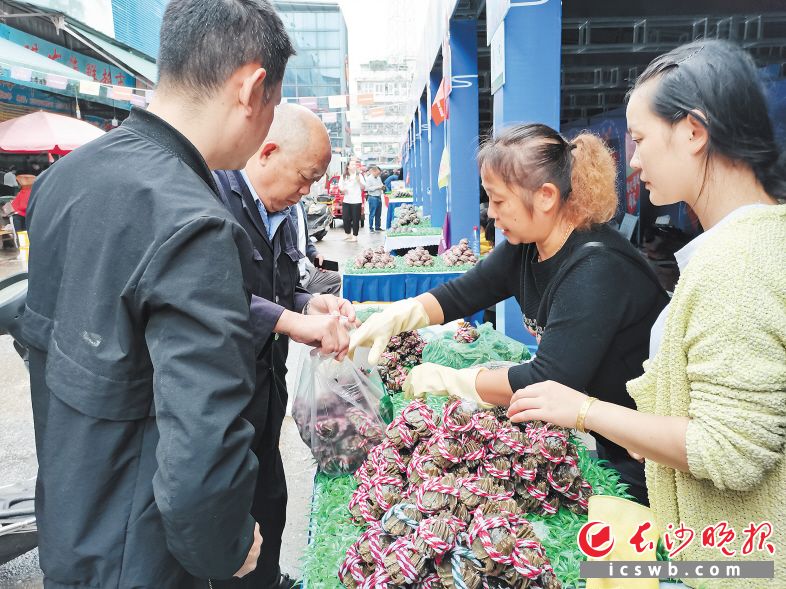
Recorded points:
583,170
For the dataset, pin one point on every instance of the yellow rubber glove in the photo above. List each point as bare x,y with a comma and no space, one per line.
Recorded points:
376,332
441,380
624,517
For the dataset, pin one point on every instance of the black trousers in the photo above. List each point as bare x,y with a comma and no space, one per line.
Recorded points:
631,471
351,215
270,502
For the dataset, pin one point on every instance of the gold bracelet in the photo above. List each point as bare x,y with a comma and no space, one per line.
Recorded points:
583,413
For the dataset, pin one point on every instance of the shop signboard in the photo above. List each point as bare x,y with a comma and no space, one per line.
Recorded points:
19,95
498,59
98,70
495,16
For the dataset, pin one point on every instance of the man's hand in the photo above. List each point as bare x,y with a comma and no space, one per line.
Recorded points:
253,555
327,304
327,333
319,260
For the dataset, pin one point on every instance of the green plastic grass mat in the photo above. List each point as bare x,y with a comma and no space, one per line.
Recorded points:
491,346
415,230
332,531
402,268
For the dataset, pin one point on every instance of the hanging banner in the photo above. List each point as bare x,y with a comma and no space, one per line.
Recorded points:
339,101
443,180
377,112
439,109
89,88
122,93
55,81
22,74
329,117
365,99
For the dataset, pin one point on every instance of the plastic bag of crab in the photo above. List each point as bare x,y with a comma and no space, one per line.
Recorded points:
336,410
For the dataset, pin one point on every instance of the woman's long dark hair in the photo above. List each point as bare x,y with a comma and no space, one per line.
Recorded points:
717,82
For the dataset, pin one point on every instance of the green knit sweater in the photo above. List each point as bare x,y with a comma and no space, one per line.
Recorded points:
722,362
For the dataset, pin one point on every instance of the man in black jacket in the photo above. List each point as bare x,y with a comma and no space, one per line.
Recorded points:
137,319
296,150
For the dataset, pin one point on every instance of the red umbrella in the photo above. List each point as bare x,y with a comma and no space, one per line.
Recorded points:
45,132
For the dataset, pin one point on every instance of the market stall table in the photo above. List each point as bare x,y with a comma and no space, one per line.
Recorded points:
393,204
397,241
397,284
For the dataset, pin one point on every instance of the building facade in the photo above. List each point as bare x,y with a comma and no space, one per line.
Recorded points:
319,33
381,120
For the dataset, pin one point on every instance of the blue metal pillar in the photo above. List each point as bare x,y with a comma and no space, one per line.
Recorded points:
462,130
530,94
439,201
416,159
425,154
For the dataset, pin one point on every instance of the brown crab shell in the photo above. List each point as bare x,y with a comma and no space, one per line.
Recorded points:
565,475
487,422
436,502
375,510
487,484
395,527
501,463
394,570
472,577
554,445
364,549
455,448
440,527
501,448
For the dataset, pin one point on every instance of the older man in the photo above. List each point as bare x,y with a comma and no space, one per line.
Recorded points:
295,153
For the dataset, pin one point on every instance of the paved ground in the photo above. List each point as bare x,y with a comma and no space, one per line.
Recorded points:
17,452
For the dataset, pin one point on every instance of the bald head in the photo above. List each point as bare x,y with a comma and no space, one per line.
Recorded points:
294,155
297,128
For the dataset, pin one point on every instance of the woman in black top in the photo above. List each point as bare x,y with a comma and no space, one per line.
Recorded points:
585,293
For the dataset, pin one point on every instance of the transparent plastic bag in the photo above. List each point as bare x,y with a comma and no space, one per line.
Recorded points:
490,346
337,412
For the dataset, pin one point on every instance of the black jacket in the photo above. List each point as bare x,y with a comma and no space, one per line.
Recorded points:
276,289
141,363
591,308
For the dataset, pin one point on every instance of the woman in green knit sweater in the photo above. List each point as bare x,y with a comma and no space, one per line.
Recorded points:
711,419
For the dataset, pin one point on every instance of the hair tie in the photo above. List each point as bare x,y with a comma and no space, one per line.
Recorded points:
572,146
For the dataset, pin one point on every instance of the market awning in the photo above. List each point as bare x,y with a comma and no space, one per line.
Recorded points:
122,57
13,55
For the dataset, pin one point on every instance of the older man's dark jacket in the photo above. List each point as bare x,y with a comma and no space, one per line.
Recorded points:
141,363
275,290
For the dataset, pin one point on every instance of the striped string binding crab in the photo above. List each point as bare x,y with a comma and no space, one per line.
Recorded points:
444,498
